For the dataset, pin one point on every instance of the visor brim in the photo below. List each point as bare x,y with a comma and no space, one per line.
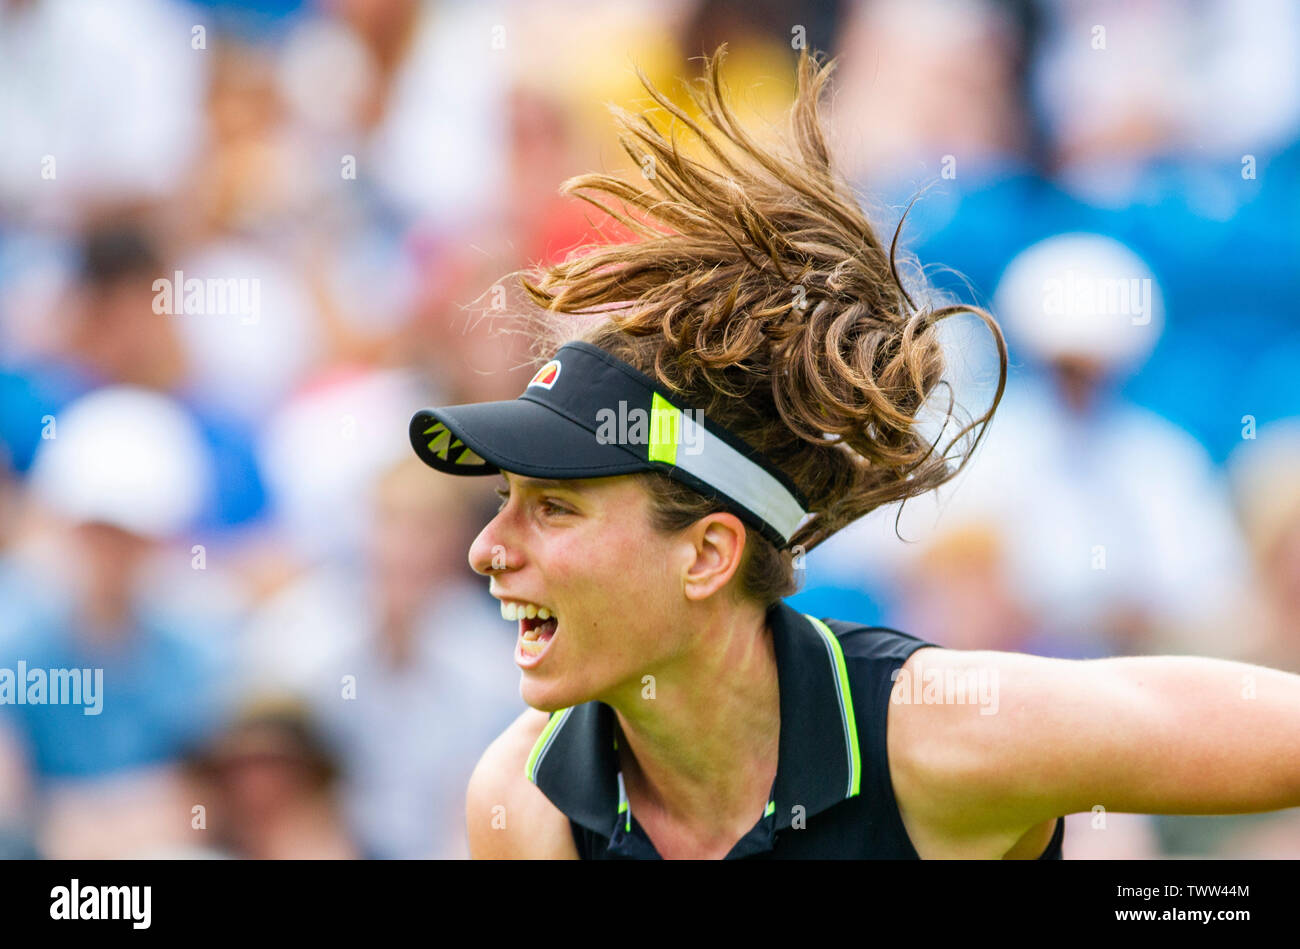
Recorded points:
519,436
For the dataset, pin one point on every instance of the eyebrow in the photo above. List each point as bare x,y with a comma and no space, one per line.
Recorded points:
551,484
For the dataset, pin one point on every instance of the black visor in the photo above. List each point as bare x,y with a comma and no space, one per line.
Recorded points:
586,414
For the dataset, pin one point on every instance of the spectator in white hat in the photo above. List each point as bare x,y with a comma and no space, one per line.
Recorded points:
122,473
1122,534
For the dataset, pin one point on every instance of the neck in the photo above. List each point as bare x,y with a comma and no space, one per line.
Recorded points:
699,755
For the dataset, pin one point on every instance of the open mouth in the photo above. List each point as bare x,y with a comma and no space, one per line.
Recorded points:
537,628
535,634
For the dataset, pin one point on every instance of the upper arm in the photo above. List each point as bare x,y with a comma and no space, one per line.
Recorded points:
1149,735
506,815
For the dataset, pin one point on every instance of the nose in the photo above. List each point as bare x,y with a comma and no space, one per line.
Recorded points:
489,554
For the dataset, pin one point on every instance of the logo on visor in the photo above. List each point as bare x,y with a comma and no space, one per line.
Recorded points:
546,376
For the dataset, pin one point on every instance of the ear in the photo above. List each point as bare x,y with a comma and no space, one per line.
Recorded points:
718,541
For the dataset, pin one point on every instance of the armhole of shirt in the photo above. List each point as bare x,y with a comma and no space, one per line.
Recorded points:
873,745
871,694
878,754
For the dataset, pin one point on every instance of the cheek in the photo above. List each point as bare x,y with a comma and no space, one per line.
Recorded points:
642,593
620,580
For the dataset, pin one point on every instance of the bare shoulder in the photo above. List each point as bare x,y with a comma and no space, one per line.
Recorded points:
951,759
506,816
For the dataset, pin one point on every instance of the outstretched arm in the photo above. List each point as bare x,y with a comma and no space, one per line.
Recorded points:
1148,735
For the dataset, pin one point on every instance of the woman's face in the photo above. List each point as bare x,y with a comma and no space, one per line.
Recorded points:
585,549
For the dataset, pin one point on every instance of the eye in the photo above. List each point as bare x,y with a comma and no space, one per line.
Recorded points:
549,505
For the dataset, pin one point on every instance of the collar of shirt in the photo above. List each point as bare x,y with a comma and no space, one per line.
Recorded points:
575,759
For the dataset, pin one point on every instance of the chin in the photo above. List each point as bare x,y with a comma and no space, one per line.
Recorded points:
551,696
543,697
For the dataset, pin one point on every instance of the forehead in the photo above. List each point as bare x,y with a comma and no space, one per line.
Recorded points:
587,486
524,481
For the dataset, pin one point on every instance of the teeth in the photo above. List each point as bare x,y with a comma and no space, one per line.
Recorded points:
517,611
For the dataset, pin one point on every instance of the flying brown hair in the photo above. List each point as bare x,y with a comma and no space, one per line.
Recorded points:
755,288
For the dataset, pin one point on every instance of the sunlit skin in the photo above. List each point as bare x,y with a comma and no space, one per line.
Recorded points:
1068,735
634,602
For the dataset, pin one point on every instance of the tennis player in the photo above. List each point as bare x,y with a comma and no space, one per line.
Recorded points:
719,395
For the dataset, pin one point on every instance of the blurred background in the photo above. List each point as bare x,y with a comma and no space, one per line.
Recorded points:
205,484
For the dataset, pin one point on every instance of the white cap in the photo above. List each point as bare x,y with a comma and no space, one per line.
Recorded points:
1081,295
125,456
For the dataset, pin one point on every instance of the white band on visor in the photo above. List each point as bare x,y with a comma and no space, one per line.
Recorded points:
677,439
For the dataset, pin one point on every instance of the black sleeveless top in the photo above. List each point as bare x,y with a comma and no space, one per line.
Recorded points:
832,797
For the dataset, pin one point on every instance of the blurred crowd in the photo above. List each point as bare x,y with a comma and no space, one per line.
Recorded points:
242,240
